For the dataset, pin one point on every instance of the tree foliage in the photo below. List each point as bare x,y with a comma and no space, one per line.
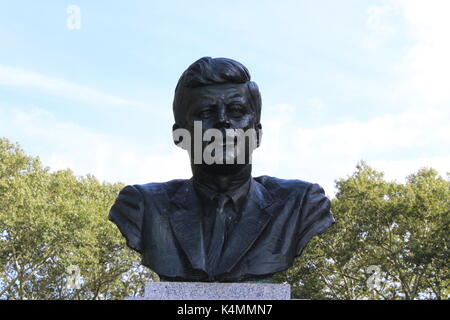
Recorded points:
390,241
50,221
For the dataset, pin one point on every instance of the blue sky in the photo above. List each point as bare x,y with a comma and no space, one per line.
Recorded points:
341,81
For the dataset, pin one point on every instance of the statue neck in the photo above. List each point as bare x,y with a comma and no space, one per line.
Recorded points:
221,182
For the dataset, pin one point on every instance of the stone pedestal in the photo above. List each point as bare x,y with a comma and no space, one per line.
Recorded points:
214,291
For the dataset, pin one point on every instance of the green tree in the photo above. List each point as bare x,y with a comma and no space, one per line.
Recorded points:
400,231
52,220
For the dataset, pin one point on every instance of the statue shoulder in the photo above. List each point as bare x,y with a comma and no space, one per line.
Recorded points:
157,189
284,187
313,203
127,213
128,210
312,207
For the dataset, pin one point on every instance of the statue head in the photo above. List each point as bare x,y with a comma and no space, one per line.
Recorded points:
217,94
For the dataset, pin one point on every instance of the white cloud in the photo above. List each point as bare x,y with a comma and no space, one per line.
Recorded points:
426,67
397,143
316,104
320,154
400,169
63,145
324,154
16,77
380,31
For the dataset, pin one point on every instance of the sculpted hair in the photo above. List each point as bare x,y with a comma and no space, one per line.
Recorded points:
209,71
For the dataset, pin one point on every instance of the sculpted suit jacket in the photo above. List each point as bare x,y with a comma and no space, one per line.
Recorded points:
162,221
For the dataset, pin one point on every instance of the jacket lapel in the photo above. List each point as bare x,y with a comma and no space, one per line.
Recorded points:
187,225
255,216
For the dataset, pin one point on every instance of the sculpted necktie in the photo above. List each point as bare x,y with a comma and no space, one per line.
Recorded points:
218,235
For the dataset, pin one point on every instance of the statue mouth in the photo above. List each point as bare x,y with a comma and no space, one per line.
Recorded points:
225,141
224,144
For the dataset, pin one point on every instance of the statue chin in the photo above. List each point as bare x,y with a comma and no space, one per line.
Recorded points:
222,169
230,164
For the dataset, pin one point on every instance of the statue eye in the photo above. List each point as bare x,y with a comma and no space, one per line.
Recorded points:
205,114
236,110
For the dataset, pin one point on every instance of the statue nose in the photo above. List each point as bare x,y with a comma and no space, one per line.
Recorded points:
222,118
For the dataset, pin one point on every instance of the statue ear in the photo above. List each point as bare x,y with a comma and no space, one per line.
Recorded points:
181,137
175,139
258,128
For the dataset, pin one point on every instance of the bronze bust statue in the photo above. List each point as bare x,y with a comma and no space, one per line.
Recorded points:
222,224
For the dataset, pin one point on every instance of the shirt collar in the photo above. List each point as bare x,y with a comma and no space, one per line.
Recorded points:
237,195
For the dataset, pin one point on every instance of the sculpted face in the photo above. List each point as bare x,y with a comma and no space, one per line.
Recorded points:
219,106
222,106
168,223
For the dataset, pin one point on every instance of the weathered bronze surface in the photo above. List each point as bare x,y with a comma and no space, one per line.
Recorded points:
222,224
